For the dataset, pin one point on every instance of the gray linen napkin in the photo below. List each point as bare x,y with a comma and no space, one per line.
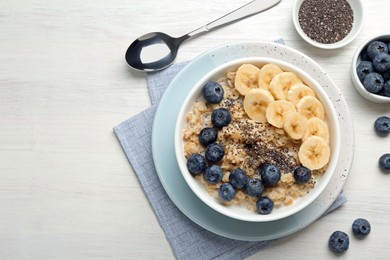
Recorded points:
187,239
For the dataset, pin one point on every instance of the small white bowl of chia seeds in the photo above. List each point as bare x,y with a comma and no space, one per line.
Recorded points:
329,24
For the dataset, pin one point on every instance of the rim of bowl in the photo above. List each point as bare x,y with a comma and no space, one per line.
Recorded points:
355,79
209,199
358,9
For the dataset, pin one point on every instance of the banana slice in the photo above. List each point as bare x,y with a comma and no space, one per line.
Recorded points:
256,102
246,78
277,111
281,83
310,107
267,72
314,153
316,127
298,91
295,125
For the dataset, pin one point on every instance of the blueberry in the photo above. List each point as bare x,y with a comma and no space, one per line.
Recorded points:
264,205
213,174
373,82
375,48
226,192
238,178
208,136
213,92
214,152
302,174
196,163
270,174
382,125
364,56
254,187
338,242
381,62
221,117
386,89
384,162
386,76
363,69
361,227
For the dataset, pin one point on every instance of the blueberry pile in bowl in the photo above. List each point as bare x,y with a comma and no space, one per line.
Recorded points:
371,69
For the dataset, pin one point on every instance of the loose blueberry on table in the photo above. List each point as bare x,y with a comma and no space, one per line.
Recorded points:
226,192
361,227
196,164
382,125
338,242
214,152
213,174
238,178
384,162
373,69
221,117
270,174
213,92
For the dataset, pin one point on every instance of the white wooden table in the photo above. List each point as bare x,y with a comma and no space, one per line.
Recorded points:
66,188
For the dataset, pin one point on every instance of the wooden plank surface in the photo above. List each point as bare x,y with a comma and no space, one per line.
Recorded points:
66,188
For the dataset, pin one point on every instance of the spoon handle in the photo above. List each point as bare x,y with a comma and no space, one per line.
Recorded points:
243,12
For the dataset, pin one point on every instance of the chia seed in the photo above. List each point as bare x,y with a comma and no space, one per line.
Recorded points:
326,21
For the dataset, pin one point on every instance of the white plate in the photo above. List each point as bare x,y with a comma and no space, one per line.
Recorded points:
174,183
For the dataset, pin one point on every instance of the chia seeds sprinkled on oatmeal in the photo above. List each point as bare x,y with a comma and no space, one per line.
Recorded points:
326,21
248,145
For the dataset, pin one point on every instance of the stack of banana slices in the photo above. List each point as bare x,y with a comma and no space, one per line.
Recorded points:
284,101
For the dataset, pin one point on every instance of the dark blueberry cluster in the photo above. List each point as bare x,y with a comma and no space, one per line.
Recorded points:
382,128
253,187
208,163
339,241
374,68
213,93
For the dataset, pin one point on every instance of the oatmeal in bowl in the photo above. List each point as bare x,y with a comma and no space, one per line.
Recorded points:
257,139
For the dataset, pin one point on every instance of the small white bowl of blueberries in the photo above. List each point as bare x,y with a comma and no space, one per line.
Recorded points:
371,69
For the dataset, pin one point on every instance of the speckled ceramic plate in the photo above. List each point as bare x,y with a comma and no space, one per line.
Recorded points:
173,181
